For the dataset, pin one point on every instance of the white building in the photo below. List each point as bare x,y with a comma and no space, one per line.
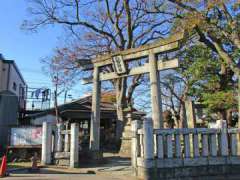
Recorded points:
12,81
12,98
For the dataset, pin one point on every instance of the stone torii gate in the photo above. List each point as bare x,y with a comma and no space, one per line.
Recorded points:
118,60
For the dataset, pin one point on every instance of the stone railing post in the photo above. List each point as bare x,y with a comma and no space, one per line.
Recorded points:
148,149
213,144
187,148
148,146
224,139
234,150
134,145
74,159
46,143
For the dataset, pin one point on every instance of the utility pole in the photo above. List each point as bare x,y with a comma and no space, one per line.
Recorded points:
65,97
55,98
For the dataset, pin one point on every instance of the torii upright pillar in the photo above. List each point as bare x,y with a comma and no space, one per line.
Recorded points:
95,114
156,101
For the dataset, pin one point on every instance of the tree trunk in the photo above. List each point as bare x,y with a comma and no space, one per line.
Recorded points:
229,118
182,113
238,100
176,123
183,118
223,114
120,122
56,106
176,120
121,105
56,99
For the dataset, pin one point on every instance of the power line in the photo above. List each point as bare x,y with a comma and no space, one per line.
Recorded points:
40,83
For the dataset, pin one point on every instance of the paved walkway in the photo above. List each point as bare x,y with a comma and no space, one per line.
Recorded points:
112,168
66,177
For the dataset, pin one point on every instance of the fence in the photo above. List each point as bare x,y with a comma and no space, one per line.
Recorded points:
54,144
186,147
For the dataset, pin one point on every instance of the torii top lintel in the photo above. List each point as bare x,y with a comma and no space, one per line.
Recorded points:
159,46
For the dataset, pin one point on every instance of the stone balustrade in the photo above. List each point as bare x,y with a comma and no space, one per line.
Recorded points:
203,150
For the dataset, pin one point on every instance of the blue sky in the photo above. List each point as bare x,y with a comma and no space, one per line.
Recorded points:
26,48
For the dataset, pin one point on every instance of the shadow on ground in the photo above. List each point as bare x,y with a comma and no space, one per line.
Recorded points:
105,162
109,163
110,167
47,171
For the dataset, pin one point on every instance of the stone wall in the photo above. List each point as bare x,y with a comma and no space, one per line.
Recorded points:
185,153
204,168
210,172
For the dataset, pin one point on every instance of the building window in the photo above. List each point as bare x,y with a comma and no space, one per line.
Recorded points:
14,86
21,91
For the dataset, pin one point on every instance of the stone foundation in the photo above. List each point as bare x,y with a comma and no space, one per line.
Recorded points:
191,173
63,158
225,168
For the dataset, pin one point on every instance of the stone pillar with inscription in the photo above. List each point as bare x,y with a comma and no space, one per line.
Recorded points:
125,149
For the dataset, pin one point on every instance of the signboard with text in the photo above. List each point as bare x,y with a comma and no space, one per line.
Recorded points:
26,136
119,65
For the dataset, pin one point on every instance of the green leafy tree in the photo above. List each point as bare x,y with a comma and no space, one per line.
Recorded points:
199,77
216,24
207,83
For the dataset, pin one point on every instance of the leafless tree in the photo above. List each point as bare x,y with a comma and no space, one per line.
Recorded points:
103,26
